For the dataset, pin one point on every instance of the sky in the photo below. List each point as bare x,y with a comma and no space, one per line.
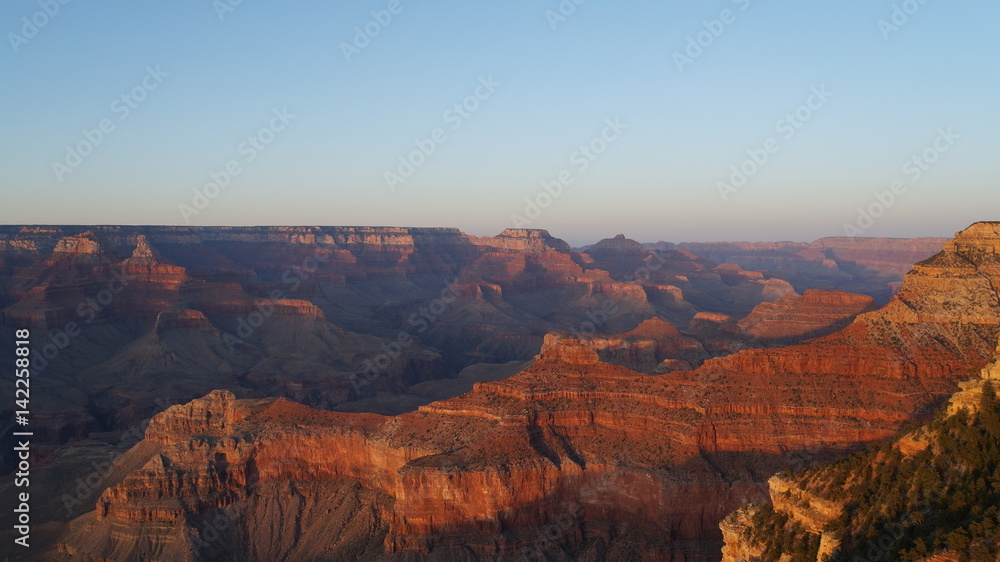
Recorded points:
664,120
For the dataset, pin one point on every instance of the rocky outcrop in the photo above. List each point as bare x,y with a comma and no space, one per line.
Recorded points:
617,254
813,513
970,393
84,243
705,284
834,503
738,546
449,495
212,416
804,511
655,346
568,350
815,313
523,240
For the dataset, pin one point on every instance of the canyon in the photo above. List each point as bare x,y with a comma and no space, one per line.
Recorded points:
930,494
388,393
870,266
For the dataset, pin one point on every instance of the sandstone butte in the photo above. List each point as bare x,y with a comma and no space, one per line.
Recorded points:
570,458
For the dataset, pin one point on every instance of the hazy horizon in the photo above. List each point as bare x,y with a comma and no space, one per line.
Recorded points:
575,243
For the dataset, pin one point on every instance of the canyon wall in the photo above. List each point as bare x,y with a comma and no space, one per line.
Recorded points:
633,464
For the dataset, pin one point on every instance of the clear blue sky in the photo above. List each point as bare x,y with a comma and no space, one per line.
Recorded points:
557,87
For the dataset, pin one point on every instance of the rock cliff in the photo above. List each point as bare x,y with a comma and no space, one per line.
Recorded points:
794,317
930,494
641,463
655,346
321,315
599,460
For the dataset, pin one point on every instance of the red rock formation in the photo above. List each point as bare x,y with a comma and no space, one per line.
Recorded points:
653,346
712,323
679,283
813,314
641,456
213,415
618,254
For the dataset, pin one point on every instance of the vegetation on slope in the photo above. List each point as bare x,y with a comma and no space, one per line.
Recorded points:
905,507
